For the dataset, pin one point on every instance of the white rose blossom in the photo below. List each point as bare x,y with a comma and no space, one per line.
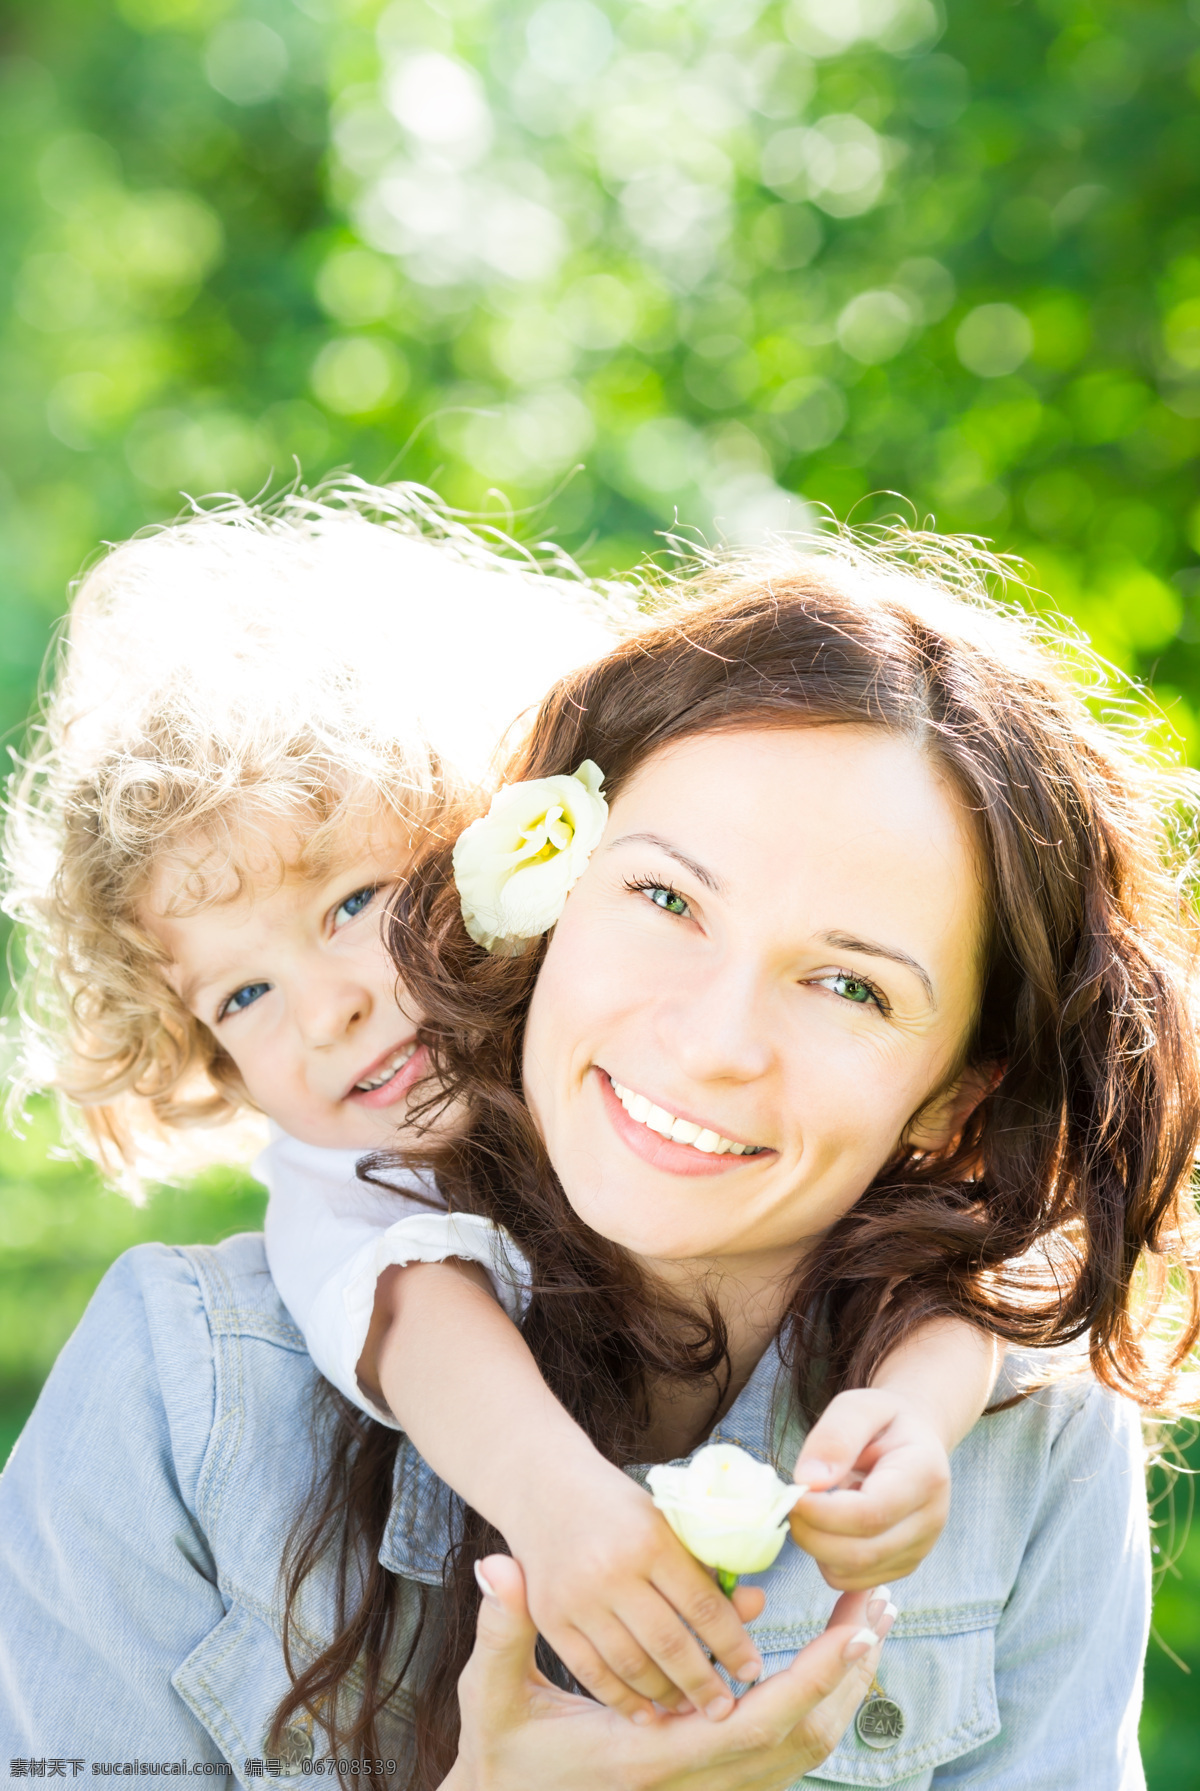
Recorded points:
516,866
727,1509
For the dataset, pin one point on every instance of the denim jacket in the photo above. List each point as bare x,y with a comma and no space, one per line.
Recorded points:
144,1513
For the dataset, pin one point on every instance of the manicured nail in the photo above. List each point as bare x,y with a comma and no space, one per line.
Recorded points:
877,1602
719,1708
884,1623
860,1643
484,1584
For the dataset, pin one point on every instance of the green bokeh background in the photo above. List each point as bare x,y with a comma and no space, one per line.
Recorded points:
597,270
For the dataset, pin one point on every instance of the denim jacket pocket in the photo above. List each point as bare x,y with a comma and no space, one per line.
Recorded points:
233,1683
937,1671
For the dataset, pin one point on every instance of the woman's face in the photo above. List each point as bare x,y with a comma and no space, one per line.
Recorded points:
776,948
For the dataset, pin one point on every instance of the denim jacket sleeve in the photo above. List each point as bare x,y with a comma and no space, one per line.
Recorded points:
127,1588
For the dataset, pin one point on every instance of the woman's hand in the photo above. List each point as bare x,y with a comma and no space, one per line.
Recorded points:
519,1731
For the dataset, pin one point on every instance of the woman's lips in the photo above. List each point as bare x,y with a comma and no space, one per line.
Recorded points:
397,1086
660,1152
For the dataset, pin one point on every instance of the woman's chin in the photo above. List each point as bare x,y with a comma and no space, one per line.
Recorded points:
645,1231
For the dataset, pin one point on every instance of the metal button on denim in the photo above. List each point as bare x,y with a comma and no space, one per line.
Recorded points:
880,1722
293,1750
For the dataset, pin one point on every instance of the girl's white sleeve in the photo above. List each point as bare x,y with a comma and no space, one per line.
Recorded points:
330,1236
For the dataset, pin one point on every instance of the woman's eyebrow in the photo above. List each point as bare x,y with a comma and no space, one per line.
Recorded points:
871,948
709,879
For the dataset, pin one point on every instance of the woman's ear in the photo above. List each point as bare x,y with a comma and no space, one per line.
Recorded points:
936,1129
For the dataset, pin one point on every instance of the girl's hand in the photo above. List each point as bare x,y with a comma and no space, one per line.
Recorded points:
518,1730
614,1592
888,1478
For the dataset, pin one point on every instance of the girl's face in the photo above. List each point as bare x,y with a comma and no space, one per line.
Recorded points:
760,989
291,974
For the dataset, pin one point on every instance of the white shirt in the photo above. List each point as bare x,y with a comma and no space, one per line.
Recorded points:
330,1236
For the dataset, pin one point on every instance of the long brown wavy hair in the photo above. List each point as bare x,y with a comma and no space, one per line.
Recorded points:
1067,1205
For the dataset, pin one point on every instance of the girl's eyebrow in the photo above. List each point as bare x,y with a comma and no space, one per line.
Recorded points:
871,948
709,879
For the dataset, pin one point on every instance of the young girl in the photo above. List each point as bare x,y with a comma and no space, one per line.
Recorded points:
258,717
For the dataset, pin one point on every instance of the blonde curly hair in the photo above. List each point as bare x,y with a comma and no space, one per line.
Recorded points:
319,660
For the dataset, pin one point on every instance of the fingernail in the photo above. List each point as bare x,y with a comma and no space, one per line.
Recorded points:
818,1470
860,1643
641,1716
877,1602
750,1668
484,1584
884,1623
718,1708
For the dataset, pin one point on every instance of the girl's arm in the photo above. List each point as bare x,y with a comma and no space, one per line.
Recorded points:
878,1457
405,1308
608,1581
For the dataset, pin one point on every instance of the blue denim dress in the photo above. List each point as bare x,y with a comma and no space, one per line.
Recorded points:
144,1513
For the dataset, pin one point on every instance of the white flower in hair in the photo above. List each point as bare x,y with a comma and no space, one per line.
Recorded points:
516,866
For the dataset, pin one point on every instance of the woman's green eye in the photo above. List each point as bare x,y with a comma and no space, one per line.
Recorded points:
668,899
852,988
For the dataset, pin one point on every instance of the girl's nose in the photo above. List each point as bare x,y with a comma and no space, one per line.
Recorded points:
328,1008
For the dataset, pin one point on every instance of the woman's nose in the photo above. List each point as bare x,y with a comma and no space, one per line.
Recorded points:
720,1029
327,1008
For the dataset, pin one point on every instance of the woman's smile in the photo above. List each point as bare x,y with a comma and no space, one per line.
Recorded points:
668,1140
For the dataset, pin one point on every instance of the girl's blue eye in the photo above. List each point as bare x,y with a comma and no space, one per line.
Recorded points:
353,905
242,998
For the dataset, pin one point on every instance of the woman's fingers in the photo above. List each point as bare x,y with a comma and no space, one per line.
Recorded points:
497,1680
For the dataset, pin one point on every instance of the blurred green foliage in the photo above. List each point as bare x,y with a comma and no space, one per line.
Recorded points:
732,259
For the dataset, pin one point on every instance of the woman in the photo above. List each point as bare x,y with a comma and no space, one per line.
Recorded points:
878,904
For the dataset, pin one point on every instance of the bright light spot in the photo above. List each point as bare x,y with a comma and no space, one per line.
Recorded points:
665,454
519,237
829,27
993,340
168,239
749,507
839,163
569,40
356,287
812,412
441,103
80,407
598,312
535,438
54,292
357,374
246,61
874,326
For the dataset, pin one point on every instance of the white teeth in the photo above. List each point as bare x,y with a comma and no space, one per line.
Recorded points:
385,1073
679,1131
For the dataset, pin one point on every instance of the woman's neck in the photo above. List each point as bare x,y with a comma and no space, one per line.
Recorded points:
752,1298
